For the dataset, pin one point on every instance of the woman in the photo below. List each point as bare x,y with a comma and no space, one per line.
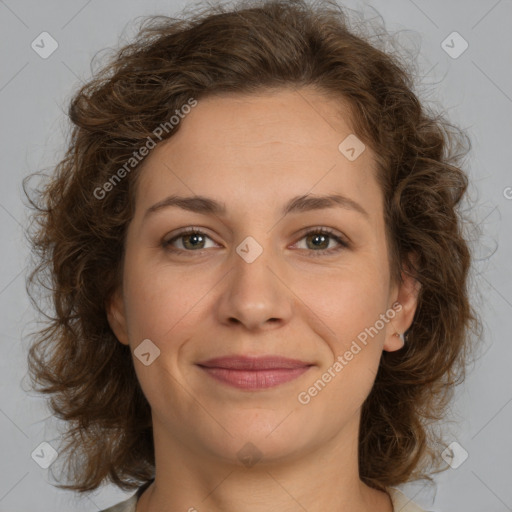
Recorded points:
256,263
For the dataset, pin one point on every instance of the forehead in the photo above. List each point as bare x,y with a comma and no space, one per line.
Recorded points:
259,145
226,120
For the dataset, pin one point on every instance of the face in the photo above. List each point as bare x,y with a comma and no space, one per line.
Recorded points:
262,274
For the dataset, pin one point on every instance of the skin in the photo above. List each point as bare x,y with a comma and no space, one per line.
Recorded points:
254,153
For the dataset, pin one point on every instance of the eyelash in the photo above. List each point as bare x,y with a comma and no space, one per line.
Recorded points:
166,244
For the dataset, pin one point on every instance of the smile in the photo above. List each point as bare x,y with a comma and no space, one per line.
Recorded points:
255,379
253,373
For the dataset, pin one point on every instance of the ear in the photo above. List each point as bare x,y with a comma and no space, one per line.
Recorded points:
406,295
116,316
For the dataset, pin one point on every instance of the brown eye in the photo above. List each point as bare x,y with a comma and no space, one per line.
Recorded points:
187,241
318,241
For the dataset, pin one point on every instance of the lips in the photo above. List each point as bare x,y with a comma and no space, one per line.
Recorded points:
254,373
254,363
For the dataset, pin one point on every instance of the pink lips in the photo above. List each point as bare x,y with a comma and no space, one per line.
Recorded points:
253,373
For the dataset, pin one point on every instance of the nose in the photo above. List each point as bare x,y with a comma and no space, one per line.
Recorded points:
254,294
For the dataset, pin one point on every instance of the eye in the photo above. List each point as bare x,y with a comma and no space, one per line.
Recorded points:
188,240
318,241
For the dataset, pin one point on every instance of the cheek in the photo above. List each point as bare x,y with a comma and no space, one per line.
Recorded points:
350,308
347,300
161,299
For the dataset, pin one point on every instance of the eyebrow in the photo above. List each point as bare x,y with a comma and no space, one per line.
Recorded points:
206,205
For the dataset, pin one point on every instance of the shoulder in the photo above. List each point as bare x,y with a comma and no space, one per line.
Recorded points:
401,502
128,505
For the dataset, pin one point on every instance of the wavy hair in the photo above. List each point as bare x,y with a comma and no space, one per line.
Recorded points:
77,238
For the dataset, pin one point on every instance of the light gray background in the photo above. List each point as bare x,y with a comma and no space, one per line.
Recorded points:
476,90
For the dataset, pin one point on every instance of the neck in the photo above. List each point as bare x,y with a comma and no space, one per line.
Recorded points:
323,477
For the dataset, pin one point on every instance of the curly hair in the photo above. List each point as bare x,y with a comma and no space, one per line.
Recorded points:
78,230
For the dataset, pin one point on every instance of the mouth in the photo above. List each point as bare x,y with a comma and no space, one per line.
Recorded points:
254,373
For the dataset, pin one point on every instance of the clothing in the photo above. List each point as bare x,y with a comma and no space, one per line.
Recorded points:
401,502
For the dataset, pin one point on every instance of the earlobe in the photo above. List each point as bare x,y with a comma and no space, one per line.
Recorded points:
394,341
407,296
116,316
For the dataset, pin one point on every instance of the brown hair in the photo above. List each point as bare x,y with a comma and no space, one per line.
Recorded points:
78,238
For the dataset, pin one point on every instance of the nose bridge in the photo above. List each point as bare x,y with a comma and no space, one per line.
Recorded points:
253,295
